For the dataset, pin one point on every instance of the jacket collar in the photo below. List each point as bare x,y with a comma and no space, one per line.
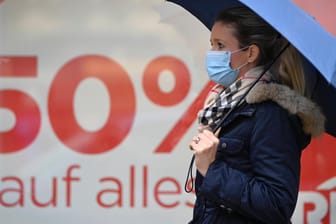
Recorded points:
312,119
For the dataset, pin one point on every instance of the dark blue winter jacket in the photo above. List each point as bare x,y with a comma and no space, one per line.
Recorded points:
255,177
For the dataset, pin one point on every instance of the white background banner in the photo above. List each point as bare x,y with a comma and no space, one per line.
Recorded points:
97,106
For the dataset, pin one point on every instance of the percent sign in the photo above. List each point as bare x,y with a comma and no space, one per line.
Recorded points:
153,92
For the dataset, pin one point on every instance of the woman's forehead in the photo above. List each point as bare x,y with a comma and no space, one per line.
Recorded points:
223,32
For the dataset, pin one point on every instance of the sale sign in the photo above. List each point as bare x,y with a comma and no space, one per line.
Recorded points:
98,101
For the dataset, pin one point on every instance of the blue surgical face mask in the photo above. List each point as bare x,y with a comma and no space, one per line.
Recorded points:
219,69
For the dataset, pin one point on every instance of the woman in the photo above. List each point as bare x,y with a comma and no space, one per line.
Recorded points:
249,170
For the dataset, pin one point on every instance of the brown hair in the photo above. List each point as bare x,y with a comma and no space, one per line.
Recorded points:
252,29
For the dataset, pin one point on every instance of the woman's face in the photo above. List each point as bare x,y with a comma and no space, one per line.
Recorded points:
222,39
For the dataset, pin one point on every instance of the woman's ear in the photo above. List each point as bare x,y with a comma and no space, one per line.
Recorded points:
253,53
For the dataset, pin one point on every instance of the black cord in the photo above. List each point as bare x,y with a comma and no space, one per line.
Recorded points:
219,124
191,176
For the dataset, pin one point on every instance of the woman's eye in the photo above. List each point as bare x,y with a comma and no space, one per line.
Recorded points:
220,46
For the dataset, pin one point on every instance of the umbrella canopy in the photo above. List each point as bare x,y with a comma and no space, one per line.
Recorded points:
316,44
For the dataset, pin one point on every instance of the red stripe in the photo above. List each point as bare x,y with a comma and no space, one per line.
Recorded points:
18,66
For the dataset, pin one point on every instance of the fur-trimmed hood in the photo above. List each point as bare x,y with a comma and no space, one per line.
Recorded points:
312,119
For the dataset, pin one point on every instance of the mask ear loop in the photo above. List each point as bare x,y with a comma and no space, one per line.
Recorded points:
241,49
239,67
219,124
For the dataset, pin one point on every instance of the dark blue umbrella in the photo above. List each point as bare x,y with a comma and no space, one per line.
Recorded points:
317,46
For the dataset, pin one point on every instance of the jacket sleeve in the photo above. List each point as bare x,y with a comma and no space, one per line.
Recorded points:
269,194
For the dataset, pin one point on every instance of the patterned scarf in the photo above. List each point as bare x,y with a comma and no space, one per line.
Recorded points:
220,99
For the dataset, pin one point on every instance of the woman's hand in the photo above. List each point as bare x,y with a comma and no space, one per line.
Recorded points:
204,145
